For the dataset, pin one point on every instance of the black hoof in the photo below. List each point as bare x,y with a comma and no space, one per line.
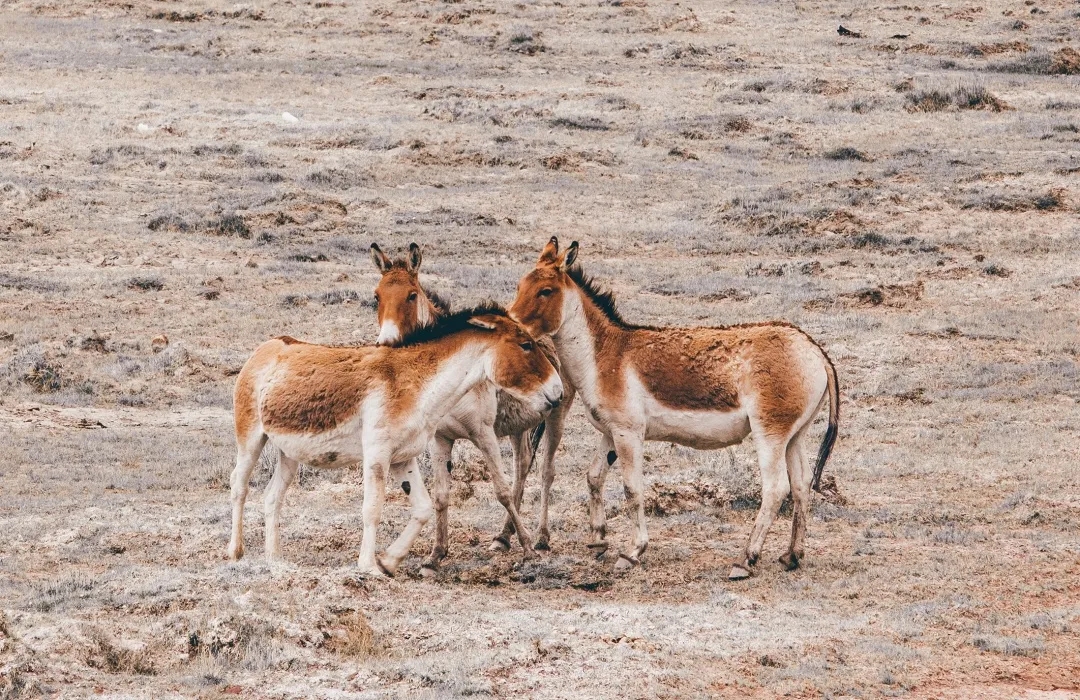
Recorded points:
599,549
738,572
790,561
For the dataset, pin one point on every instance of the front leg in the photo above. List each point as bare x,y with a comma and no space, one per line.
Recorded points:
412,483
553,432
441,451
605,457
488,444
523,457
630,450
374,493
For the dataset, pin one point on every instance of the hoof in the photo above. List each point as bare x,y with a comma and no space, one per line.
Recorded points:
624,563
235,554
738,572
542,545
790,561
598,549
428,571
499,544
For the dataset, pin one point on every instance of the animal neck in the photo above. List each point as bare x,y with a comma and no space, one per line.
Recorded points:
584,331
458,367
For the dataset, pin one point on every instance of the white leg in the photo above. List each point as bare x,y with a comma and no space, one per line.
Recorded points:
274,499
605,457
523,456
412,482
441,451
799,476
553,433
772,460
630,450
247,456
488,444
374,493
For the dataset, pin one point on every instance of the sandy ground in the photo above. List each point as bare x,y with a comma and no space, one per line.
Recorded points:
216,172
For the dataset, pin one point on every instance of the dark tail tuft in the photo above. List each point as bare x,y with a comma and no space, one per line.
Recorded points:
834,423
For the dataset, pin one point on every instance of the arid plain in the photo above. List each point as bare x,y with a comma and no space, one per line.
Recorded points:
214,173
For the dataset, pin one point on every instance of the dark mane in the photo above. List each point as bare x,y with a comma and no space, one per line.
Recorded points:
604,300
450,324
441,305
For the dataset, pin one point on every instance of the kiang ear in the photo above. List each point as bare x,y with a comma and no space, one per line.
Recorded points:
550,254
413,261
481,323
569,257
379,258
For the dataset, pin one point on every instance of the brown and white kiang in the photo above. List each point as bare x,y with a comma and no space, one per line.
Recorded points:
405,306
331,407
702,387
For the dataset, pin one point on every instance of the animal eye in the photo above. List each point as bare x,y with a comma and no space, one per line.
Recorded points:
527,346
545,292
377,297
412,296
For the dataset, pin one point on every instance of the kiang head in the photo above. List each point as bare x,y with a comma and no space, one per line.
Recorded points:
402,304
519,366
541,293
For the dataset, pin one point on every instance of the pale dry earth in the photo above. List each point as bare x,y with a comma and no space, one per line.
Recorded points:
216,172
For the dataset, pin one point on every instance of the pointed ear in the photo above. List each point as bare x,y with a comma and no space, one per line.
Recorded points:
569,257
550,254
481,323
413,261
379,258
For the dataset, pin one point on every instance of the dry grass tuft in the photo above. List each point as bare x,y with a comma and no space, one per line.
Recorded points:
962,97
352,637
106,655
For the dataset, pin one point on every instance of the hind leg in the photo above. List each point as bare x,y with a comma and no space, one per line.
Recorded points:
772,460
441,450
488,444
412,483
799,476
630,450
274,499
247,456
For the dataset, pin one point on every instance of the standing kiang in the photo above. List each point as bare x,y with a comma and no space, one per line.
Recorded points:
331,407
705,388
482,416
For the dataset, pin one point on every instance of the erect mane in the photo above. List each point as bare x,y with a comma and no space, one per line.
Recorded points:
604,299
442,306
451,323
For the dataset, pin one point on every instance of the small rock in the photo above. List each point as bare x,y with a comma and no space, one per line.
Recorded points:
144,129
159,343
289,119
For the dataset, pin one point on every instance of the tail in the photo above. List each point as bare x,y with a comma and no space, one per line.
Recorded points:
534,441
834,422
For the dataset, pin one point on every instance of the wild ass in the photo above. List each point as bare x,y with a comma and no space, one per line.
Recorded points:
705,388
334,406
404,306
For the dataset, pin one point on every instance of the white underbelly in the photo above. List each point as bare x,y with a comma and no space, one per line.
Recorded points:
330,450
703,430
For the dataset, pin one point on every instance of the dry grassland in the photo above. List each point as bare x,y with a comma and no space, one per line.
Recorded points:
909,197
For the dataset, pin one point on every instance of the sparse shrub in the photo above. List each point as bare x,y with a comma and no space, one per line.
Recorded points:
527,42
1008,646
1065,61
106,656
169,223
310,257
847,153
870,239
737,125
230,225
146,284
94,342
963,97
996,271
44,377
337,179
582,123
